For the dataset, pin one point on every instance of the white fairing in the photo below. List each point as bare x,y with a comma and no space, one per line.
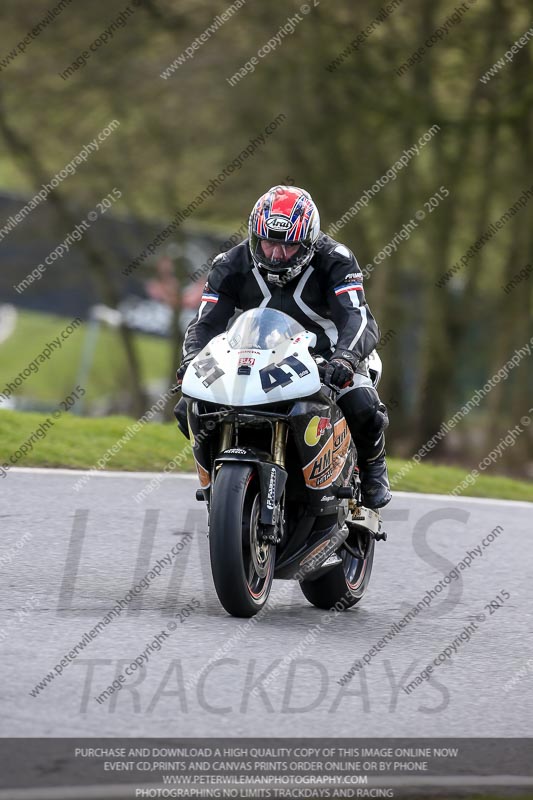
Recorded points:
375,367
257,343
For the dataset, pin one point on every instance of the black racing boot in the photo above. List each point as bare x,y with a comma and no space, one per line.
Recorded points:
375,487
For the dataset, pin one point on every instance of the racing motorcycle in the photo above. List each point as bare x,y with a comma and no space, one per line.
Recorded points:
277,468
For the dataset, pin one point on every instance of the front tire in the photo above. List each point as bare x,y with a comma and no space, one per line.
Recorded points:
242,565
346,583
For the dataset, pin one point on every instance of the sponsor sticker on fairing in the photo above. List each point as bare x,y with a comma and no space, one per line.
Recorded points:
271,494
315,428
327,465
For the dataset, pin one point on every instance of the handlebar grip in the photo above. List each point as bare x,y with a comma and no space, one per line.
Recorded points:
321,366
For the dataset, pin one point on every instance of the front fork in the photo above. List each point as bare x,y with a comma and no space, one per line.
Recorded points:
279,443
226,435
272,532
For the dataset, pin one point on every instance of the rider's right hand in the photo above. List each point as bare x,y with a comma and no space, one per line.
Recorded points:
180,374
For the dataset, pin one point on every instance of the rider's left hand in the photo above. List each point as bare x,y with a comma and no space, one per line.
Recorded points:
339,374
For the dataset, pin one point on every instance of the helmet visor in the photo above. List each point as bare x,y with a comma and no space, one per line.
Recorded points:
276,256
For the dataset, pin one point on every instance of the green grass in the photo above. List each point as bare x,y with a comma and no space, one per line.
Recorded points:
78,442
430,478
56,378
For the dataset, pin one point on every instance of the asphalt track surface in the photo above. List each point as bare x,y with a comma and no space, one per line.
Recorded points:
67,557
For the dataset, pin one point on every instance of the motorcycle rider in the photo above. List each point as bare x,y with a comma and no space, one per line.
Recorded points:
289,265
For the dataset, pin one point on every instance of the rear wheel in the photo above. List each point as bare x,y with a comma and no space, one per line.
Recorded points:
242,565
345,584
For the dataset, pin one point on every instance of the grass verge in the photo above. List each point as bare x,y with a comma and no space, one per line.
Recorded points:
51,382
79,442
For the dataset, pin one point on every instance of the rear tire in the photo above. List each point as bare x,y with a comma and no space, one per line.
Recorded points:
242,566
346,583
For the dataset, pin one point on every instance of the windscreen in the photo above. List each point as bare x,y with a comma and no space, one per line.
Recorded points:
262,329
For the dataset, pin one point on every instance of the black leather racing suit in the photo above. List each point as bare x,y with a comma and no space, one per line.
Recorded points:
327,298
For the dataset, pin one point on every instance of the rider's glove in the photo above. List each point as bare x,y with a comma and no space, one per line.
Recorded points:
180,374
339,374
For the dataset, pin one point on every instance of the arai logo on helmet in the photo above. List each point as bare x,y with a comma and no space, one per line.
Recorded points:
278,223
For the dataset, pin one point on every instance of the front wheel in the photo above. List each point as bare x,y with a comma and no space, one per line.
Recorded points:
345,584
242,565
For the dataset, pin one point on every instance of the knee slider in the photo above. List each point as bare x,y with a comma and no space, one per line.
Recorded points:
365,413
360,405
382,417
375,424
